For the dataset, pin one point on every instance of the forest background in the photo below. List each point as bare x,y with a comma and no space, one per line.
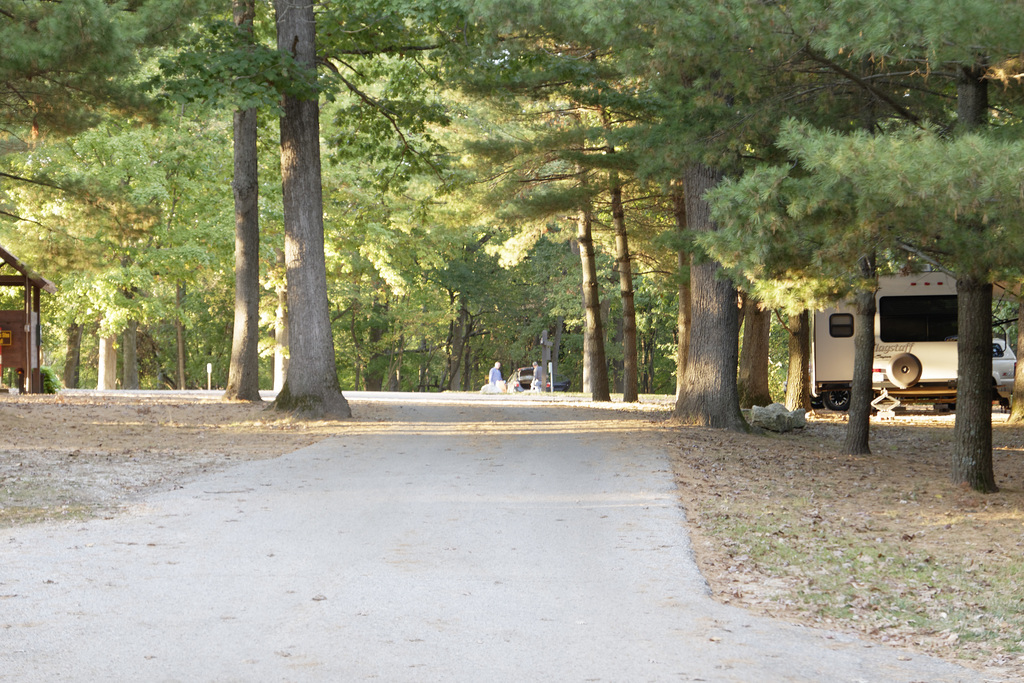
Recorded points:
437,264
474,151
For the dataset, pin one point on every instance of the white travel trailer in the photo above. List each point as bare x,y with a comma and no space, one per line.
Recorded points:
915,345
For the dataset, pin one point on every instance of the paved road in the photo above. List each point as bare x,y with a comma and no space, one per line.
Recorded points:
412,550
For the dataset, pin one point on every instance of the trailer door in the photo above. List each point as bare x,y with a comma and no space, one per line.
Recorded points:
833,346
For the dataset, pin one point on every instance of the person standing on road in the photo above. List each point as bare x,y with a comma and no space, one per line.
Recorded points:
537,384
495,377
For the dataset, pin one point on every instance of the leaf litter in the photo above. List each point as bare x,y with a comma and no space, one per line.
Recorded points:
883,546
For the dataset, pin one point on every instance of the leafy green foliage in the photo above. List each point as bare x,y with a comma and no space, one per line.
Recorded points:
226,70
51,384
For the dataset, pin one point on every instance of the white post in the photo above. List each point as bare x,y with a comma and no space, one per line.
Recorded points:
209,375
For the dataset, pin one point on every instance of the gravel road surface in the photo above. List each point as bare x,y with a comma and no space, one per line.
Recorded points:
484,541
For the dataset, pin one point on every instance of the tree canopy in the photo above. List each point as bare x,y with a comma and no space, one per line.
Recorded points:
463,143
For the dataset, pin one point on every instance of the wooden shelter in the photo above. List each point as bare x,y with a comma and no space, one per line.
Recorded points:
20,338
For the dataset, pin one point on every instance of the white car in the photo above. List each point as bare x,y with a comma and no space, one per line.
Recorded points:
1004,368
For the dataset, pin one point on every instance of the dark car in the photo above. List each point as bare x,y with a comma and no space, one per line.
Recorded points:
522,380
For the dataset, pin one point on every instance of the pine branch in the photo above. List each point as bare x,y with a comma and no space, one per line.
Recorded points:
846,73
16,217
398,49
386,113
920,254
33,181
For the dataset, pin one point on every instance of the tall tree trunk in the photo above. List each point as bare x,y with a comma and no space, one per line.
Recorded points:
588,359
972,431
130,356
710,397
594,334
458,346
858,427
106,379
556,349
630,374
684,318
972,456
312,384
72,356
684,313
798,381
179,330
647,344
467,351
1017,407
649,361
422,377
467,374
281,331
395,365
244,369
630,370
374,372
616,366
752,383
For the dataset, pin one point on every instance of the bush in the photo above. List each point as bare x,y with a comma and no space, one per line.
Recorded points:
51,385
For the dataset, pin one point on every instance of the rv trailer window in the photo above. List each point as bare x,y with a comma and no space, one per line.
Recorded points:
840,325
917,318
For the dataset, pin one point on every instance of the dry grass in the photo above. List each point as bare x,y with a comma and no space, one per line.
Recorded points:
72,457
882,545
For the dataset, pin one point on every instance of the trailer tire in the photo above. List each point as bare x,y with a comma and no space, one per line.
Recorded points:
836,400
904,371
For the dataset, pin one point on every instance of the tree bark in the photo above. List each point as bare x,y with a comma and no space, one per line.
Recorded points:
684,314
423,374
130,356
467,352
467,375
72,356
373,375
244,369
1017,406
457,347
179,330
798,381
858,427
311,387
752,383
971,97
107,372
630,372
395,365
972,456
972,431
616,366
280,331
594,334
710,396
556,349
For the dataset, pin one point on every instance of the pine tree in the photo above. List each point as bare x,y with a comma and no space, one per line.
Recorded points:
244,370
311,387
